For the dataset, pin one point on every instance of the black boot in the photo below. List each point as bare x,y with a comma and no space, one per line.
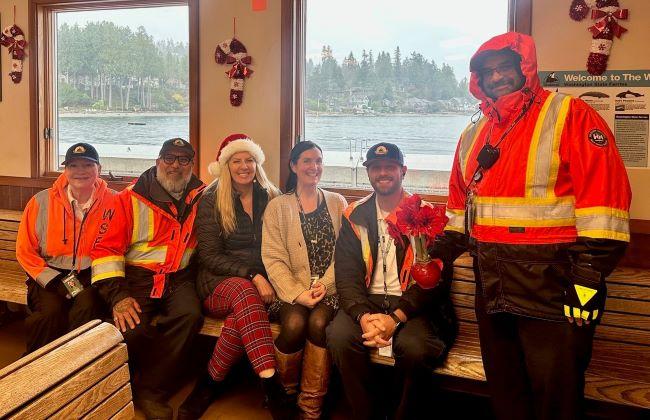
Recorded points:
204,393
277,400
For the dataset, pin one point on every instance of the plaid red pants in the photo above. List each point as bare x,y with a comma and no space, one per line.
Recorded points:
246,327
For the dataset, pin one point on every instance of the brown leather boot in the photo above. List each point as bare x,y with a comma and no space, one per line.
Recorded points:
288,367
315,379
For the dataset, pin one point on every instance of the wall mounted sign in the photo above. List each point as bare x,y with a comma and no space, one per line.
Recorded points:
621,97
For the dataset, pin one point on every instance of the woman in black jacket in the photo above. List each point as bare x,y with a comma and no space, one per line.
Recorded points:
232,282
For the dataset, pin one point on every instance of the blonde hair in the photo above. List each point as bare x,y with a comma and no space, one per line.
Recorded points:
224,206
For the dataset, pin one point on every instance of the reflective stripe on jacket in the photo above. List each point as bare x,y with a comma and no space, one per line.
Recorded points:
555,179
361,233
554,204
45,241
147,235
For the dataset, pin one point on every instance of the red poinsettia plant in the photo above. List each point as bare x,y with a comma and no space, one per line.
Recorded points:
421,222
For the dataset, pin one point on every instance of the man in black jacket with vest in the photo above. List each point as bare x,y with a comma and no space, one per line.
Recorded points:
380,308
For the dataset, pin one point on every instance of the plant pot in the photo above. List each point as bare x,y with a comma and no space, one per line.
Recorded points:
427,273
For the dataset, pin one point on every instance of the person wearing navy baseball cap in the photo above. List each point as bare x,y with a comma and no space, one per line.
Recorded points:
380,306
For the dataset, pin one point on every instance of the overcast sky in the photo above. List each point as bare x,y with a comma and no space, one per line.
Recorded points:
162,23
434,28
447,31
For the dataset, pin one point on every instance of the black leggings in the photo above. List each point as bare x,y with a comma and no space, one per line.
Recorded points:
300,323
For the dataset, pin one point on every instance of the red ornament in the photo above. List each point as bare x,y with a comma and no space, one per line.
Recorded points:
427,274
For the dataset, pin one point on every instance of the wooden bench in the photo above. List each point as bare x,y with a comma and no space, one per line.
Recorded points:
619,372
12,276
83,374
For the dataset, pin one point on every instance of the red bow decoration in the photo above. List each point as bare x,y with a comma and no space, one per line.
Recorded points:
239,71
608,19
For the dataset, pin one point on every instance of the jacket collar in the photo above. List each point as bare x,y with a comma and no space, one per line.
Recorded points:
149,188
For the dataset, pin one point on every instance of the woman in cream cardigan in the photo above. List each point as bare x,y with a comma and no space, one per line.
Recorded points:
298,237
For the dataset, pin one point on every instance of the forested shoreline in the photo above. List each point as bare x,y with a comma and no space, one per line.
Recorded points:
105,67
383,83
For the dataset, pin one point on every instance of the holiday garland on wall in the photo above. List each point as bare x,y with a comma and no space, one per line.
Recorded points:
606,13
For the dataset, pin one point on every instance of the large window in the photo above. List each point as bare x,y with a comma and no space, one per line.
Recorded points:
115,75
375,70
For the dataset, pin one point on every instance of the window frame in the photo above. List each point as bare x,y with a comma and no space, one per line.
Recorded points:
292,124
42,80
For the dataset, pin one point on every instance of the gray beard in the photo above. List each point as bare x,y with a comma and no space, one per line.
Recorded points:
175,188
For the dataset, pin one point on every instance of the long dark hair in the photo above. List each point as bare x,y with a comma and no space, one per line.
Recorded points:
297,150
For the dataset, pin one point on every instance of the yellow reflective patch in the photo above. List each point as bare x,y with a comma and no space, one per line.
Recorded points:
584,293
576,312
567,311
595,314
585,315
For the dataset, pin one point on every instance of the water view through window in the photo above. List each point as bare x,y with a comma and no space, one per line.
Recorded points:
122,83
379,71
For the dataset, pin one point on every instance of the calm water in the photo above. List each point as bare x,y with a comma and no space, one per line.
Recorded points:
414,134
122,130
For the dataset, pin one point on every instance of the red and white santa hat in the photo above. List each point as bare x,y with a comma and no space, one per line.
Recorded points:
232,144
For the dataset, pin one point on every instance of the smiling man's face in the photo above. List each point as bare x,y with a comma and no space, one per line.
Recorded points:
500,74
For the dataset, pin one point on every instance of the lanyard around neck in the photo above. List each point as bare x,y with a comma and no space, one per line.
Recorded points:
384,248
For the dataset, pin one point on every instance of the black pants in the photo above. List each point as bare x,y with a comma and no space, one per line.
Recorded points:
417,351
53,315
158,351
535,368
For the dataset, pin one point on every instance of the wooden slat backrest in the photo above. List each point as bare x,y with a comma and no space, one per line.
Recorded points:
93,397
68,393
52,367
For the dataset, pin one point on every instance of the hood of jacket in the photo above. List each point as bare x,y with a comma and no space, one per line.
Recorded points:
507,107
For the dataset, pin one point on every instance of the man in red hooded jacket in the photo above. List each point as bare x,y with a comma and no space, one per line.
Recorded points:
539,195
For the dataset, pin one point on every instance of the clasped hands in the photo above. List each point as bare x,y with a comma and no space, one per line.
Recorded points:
377,329
312,296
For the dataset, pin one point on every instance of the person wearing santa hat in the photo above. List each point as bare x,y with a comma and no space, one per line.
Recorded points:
232,282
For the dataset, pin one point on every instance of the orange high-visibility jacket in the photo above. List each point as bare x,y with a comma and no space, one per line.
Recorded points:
46,236
552,211
559,175
148,233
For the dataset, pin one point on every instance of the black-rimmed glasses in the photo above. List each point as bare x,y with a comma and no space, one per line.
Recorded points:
182,160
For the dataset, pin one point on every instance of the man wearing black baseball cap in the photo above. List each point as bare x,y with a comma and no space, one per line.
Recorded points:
81,151
143,268
56,234
380,308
